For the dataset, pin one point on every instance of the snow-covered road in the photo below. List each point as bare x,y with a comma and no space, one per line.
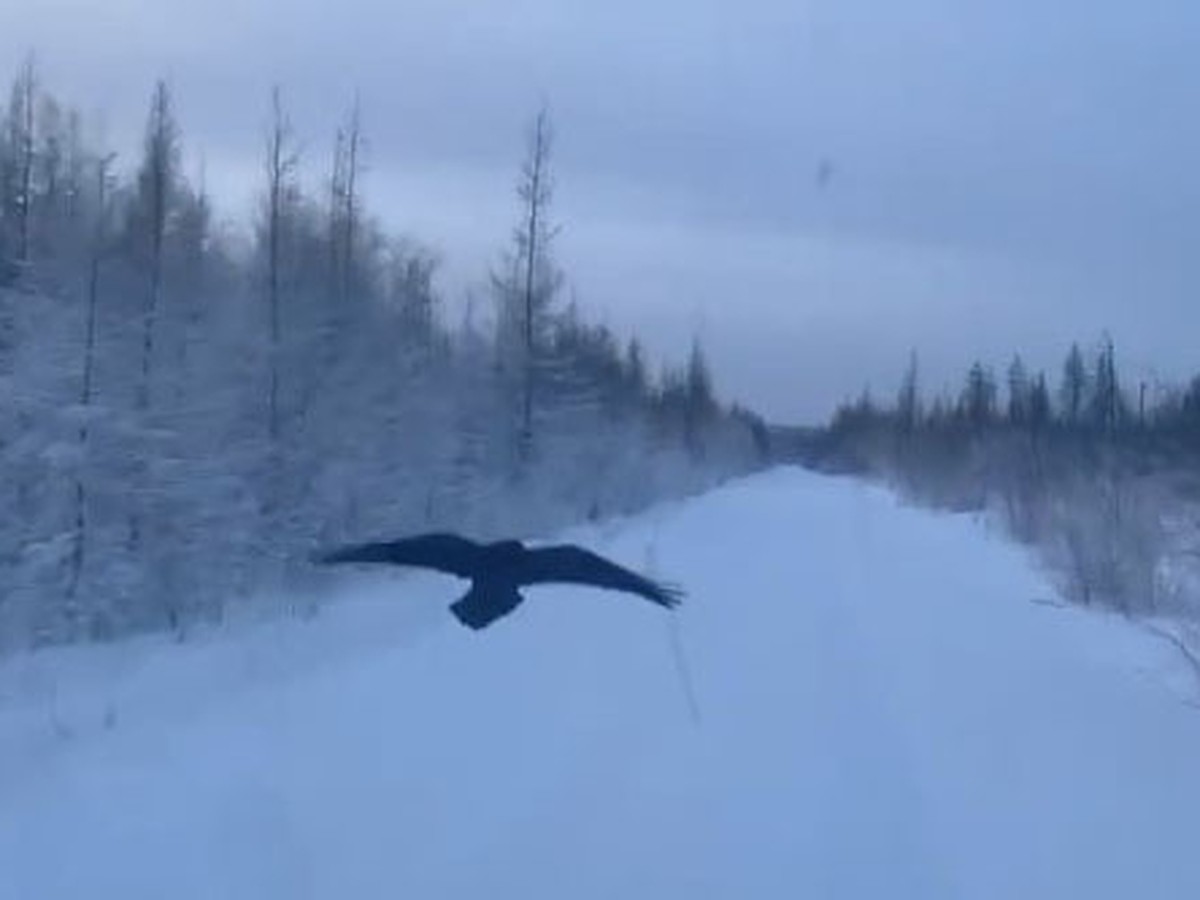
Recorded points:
882,712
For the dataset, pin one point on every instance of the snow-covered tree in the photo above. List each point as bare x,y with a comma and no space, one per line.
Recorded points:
183,414
152,206
528,282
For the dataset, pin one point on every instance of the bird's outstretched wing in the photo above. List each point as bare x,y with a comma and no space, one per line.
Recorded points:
568,563
443,552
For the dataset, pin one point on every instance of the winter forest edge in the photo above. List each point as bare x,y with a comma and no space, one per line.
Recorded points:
186,410
1097,477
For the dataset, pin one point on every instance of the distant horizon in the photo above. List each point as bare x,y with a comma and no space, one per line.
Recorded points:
814,191
234,193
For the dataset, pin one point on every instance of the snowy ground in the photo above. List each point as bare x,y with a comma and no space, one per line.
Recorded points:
877,708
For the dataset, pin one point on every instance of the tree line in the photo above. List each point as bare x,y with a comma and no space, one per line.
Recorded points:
1100,475
187,409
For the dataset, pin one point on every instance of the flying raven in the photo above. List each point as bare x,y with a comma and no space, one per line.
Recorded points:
498,571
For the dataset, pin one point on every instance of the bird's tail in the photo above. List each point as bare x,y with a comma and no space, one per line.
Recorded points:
484,603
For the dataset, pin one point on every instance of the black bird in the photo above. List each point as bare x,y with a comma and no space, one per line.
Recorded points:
498,571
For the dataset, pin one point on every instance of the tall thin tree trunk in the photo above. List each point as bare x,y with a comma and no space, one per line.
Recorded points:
276,165
337,188
85,390
353,148
535,203
149,318
27,90
159,162
281,162
196,284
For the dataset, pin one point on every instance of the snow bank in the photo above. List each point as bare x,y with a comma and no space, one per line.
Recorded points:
880,710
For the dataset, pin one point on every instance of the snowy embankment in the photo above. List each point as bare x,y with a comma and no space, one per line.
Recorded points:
869,704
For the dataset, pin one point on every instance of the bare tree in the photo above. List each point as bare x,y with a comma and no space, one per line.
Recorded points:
21,139
344,205
74,167
528,282
193,235
536,191
353,147
155,189
96,255
337,206
282,160
50,155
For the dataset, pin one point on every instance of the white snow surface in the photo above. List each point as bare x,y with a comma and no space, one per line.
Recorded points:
870,702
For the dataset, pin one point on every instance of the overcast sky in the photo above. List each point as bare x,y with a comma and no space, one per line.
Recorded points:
998,174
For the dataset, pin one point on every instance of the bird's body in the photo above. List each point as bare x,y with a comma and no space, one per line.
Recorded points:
499,570
502,559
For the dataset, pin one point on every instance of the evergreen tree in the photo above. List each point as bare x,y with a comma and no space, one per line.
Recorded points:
635,369
978,402
1018,393
700,404
1040,410
1106,406
1073,391
908,400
